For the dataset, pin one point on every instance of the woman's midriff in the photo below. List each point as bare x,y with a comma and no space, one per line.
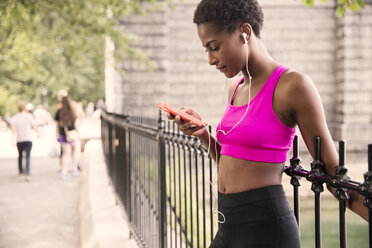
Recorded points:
238,175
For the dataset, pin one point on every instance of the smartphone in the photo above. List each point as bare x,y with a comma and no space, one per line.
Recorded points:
184,116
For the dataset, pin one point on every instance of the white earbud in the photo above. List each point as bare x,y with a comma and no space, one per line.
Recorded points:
245,37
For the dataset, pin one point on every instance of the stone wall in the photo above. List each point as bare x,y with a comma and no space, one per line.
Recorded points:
353,111
335,53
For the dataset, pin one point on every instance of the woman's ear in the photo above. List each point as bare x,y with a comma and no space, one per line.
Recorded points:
246,28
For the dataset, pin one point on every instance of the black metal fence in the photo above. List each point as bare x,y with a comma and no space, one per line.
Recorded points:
165,182
341,182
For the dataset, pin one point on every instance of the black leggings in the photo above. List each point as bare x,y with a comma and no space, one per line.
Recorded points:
24,147
258,218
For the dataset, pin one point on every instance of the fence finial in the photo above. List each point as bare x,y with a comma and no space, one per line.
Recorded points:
316,169
160,122
341,173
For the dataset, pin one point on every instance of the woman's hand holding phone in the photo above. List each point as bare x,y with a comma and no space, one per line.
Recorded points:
187,127
194,127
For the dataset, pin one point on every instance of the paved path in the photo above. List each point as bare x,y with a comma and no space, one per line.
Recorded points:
43,213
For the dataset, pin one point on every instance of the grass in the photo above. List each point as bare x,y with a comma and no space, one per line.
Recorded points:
176,189
357,228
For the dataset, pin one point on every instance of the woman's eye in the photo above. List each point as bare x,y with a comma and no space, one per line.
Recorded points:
212,49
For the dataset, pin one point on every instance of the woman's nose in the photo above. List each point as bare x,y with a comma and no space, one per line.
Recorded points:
212,60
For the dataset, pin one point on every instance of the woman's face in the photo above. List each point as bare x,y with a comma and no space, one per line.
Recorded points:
225,51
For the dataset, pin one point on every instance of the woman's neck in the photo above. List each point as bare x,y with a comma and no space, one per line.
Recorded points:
259,61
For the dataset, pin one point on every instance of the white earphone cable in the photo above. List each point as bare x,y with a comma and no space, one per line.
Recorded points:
249,98
214,194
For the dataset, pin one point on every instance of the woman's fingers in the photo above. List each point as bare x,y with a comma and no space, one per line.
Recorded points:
196,128
189,111
187,127
192,130
170,116
177,120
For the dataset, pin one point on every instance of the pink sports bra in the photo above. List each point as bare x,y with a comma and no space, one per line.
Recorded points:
260,136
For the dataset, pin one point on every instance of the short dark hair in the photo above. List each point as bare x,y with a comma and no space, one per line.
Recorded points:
227,15
21,106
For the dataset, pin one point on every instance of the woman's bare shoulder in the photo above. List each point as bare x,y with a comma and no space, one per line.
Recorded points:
295,79
294,85
295,91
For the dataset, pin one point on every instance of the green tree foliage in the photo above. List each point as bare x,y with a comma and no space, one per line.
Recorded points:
342,5
60,45
8,102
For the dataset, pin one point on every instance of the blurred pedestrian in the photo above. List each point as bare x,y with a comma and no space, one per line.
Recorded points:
22,125
80,111
42,118
66,125
6,119
100,104
30,108
62,93
89,110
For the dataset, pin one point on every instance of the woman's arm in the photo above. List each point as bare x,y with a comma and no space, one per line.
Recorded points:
210,143
57,130
14,134
307,111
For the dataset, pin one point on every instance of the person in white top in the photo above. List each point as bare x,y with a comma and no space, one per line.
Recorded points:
22,125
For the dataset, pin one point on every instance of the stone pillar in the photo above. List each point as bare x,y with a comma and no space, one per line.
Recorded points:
354,79
141,90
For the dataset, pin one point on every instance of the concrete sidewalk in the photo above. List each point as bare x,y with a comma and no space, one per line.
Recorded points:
42,213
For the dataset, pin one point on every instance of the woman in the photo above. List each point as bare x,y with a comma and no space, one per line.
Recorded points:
66,121
22,125
257,128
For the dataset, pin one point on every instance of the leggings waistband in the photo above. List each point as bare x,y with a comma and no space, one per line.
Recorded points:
253,205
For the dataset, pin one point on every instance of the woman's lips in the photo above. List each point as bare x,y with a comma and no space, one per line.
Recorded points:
222,68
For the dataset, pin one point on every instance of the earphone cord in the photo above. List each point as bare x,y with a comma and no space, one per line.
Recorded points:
225,83
214,195
249,100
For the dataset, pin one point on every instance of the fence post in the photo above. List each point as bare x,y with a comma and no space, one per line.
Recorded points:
367,187
128,172
341,193
317,188
211,188
295,163
162,186
110,147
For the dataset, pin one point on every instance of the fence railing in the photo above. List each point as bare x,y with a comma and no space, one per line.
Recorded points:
341,182
164,180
